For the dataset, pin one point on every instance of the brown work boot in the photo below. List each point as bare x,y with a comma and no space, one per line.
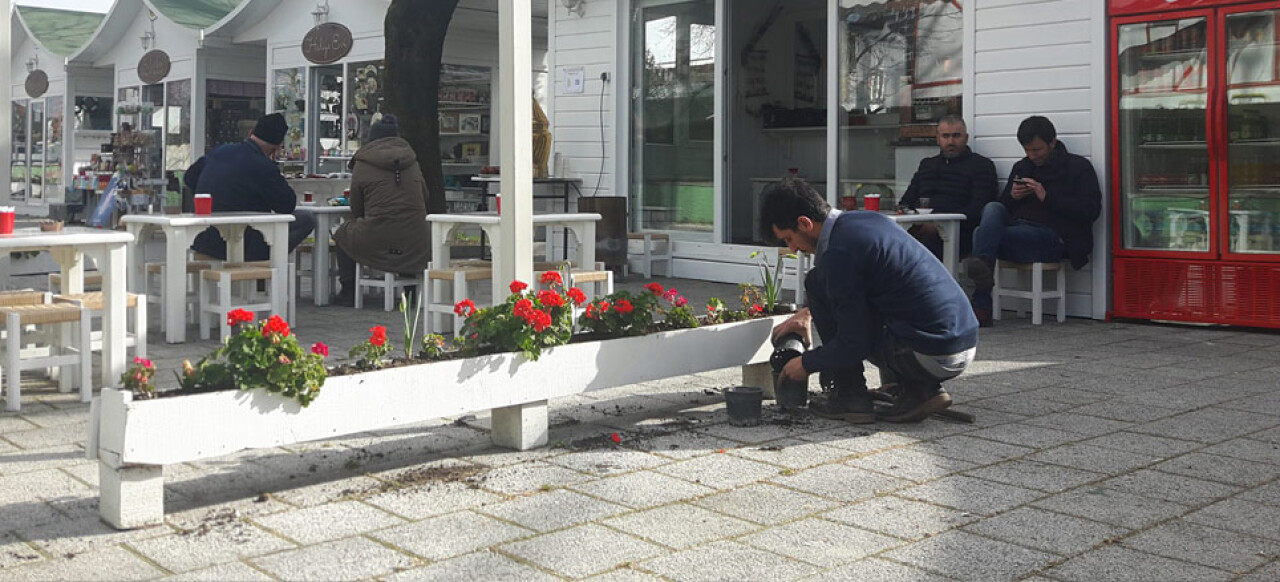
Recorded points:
981,270
846,398
915,407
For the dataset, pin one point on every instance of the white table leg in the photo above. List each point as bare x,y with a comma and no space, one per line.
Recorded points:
950,250
320,260
587,245
72,265
278,237
500,289
233,234
112,265
137,258
175,284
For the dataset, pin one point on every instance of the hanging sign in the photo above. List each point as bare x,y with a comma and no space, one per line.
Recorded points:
326,43
37,83
153,67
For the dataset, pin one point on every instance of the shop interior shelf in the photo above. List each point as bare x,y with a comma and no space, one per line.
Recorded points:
471,135
1195,53
1174,145
1256,142
1192,191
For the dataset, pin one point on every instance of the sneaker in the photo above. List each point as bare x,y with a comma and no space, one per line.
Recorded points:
980,270
915,408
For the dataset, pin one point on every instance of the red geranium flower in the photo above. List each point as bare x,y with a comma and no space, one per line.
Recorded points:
522,308
540,320
238,316
551,278
680,301
604,306
623,306
275,325
465,308
145,363
591,311
756,309
320,349
379,336
576,295
654,288
671,294
615,438
517,286
550,299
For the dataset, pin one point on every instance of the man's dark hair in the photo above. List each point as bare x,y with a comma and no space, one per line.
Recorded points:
1036,126
786,201
953,119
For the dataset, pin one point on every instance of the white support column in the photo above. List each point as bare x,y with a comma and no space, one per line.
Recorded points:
6,95
130,496
515,131
521,427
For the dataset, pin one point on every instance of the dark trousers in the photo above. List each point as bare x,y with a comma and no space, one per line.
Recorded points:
1001,236
346,269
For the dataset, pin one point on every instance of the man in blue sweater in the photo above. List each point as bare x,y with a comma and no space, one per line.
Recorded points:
244,178
875,294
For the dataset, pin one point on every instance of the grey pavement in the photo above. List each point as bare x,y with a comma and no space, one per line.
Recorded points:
1101,451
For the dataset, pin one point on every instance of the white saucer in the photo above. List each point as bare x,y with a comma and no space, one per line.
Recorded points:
924,210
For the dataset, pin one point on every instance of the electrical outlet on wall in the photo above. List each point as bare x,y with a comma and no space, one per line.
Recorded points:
575,80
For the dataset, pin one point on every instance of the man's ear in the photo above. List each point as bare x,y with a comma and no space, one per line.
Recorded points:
804,224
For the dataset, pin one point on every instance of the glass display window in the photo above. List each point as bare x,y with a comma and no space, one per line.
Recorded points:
53,134
327,93
1253,132
20,160
36,170
93,112
289,98
365,81
177,126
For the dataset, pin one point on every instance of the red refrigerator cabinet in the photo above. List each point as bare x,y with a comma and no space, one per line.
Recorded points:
1195,130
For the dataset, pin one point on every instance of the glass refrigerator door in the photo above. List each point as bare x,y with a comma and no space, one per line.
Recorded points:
1164,156
1253,133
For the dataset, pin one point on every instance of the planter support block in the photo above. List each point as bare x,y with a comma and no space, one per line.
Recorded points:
761,376
131,496
521,427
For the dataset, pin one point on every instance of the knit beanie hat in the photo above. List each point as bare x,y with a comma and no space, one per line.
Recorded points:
386,127
271,129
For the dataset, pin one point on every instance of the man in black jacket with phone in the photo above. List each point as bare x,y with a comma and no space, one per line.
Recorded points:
1045,213
955,180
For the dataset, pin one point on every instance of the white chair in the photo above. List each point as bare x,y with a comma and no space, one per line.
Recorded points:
1036,294
66,358
156,280
302,258
136,337
92,282
230,287
646,248
390,283
435,303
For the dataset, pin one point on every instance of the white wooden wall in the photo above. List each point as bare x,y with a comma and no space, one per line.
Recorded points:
1043,57
591,42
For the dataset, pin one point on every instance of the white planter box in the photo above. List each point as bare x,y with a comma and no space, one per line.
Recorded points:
135,438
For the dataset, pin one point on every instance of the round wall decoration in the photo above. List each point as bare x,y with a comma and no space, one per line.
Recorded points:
37,83
153,67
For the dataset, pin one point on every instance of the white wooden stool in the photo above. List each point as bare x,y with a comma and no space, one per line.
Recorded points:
135,337
1037,293
642,248
92,282
302,257
156,279
18,316
221,283
390,283
436,304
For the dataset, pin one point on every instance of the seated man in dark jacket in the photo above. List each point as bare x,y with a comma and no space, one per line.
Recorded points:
874,294
243,178
1044,214
956,180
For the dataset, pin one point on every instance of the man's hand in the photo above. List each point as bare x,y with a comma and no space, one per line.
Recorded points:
794,371
1020,191
797,324
1034,187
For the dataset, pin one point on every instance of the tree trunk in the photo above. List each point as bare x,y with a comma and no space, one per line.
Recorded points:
415,32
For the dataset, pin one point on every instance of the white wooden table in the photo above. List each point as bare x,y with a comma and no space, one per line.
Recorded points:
109,249
583,225
179,230
327,217
950,224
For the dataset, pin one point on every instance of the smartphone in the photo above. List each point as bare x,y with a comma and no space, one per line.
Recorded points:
1022,181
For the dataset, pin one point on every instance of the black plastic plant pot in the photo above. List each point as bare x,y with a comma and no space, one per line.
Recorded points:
743,405
790,395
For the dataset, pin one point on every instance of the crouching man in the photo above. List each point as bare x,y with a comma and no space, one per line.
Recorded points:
875,294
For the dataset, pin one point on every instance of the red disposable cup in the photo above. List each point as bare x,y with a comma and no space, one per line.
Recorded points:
871,202
497,203
308,197
6,222
204,204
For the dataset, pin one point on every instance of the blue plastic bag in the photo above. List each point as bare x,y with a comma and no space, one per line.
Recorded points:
101,217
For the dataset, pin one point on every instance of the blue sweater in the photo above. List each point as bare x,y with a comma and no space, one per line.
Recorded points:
241,179
875,274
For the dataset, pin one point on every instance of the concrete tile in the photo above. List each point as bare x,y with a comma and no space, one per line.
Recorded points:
1024,404
1268,493
1247,449
975,450
14,422
1091,458
970,557
766,504
48,416
1026,435
446,536
1033,475
482,565
30,461
350,559
228,572
875,569
764,432
791,453
185,515
1112,506
820,542
1242,516
857,440
684,444
976,496
1143,444
726,561
680,526
1216,548
1268,573
62,434
602,463
327,491
1119,564
899,517
841,482
14,552
82,534
1208,425
1078,423
643,489
915,462
1050,532
1184,398
529,477
436,499
1126,411
198,549
552,510
1169,487
1221,469
121,563
719,471
582,551
328,522
625,575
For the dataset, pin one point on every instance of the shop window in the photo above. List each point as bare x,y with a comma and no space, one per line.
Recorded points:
93,113
365,81
52,175
177,126
36,168
20,157
327,94
289,98
232,108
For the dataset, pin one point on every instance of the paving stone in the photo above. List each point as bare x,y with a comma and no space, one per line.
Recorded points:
1209,425
601,463
582,551
1126,411
858,440
30,461
529,477
489,455
726,561
327,491
12,422
1268,493
1091,458
625,575
719,471
184,515
976,496
643,489
482,565
765,504
48,416
791,453
349,559
899,517
684,444
1169,487
1046,531
446,536
228,572
820,542
1185,398
1078,423
328,522
553,510
974,450
1069,394
197,549
1026,435
1241,516
62,434
841,482
1221,469
758,434
970,557
81,534
1268,573
15,552
1024,404
1034,475
680,526
875,569
1123,564
1217,548
1144,444
1112,506
121,563
1248,449
435,499
936,429
915,462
